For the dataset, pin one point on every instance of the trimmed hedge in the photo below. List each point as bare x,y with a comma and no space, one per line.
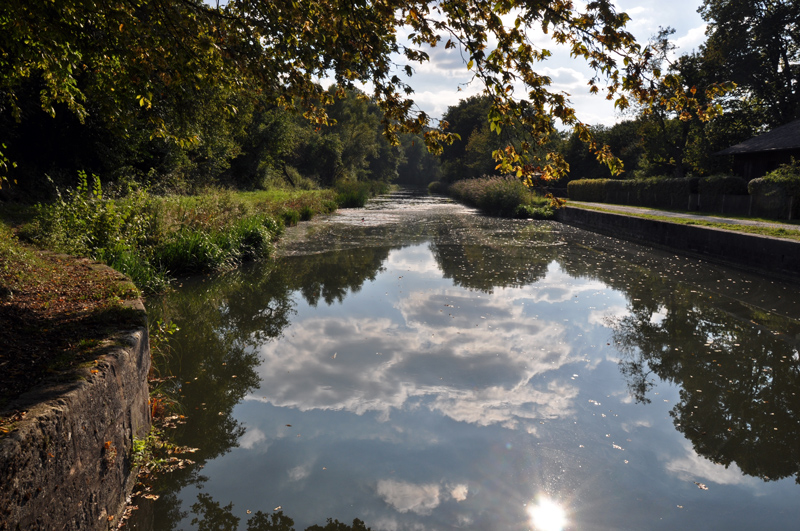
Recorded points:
769,195
722,185
646,192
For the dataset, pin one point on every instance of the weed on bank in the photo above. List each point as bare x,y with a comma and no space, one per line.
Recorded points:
153,239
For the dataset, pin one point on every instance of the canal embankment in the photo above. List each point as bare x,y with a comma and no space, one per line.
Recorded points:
67,461
773,256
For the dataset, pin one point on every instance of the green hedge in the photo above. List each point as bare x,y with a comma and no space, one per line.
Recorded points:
722,185
655,191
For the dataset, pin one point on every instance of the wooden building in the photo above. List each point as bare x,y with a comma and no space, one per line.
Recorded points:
760,155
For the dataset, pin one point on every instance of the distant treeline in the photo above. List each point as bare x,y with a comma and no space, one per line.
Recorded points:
249,146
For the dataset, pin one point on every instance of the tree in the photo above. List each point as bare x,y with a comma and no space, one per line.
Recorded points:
468,119
139,63
349,147
754,44
419,166
624,140
673,124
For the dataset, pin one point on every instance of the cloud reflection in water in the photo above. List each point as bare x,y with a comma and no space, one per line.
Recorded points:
475,360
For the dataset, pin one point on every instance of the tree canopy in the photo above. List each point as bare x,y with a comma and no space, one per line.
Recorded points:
754,44
151,66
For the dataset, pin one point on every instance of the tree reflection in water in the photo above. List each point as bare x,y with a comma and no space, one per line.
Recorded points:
212,516
215,358
502,260
738,369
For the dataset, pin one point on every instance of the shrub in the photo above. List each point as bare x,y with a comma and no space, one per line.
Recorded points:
81,221
352,198
655,189
785,179
253,236
306,213
189,251
534,212
588,189
763,187
499,196
150,238
722,185
438,187
147,277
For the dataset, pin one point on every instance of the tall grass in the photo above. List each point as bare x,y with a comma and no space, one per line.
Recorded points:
153,239
500,196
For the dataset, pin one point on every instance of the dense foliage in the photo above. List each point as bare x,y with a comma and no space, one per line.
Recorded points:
183,94
754,44
722,185
178,87
741,82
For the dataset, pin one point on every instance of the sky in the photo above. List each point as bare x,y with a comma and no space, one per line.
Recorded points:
436,84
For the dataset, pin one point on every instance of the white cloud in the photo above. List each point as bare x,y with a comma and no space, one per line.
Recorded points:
607,315
471,359
692,467
409,497
251,438
417,260
421,499
459,492
628,427
436,83
300,472
692,40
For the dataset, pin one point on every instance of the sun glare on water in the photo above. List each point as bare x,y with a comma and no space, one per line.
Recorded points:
547,515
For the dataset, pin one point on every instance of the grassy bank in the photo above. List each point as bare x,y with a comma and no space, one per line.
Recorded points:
498,196
154,239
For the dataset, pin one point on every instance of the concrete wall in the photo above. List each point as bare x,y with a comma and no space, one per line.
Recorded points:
772,256
68,465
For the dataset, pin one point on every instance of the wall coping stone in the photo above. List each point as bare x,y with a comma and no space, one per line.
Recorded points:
776,257
68,463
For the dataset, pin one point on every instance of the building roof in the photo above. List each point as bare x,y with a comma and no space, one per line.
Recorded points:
779,139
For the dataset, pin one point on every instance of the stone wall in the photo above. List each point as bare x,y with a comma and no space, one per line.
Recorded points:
68,464
763,254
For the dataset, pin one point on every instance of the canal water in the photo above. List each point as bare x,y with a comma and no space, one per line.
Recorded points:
414,365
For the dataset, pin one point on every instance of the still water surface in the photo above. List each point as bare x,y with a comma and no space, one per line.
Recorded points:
416,365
